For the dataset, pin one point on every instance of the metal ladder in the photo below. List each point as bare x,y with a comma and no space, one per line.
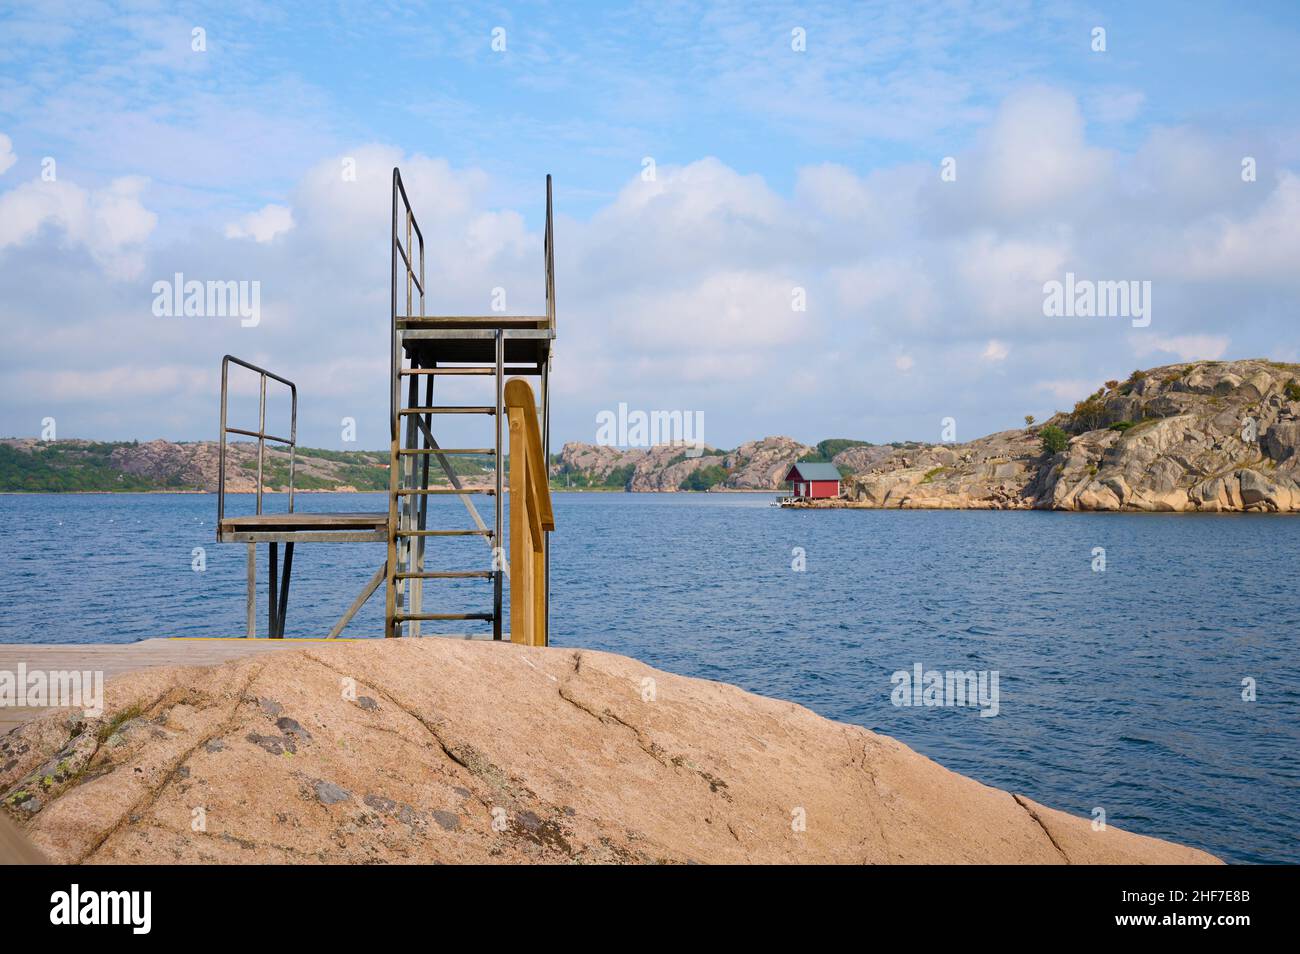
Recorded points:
409,491
425,348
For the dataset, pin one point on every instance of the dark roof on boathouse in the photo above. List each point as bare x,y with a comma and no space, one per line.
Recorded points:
813,471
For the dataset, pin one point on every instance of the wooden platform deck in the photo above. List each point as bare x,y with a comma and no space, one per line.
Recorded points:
535,322
429,342
113,660
313,527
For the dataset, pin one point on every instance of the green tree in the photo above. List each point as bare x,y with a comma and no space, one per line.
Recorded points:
1054,439
704,478
619,477
828,448
1088,413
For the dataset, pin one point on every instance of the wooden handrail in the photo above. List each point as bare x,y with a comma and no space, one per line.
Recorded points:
531,517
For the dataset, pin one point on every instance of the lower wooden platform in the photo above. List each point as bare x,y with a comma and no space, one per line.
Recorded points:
304,527
429,344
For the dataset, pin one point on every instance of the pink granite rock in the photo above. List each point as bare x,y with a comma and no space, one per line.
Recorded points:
437,750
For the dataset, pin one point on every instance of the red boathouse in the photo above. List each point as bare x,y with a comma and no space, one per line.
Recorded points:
813,481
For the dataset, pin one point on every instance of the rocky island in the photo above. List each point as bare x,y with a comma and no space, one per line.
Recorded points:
1208,436
29,465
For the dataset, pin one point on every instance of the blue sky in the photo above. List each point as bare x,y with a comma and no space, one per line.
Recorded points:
775,169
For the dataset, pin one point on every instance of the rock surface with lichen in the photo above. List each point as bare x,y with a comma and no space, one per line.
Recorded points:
437,750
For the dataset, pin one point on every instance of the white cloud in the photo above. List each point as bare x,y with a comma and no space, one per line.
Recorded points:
837,192
7,156
263,225
901,293
703,212
1263,245
1067,389
1184,347
1003,276
125,381
677,293
715,311
995,351
111,223
1116,105
1035,153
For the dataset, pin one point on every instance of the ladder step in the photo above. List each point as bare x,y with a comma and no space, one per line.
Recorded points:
445,533
402,617
490,491
445,575
487,321
441,409
447,450
408,372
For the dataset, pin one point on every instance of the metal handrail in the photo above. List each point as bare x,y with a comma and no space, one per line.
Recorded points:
260,433
395,360
548,259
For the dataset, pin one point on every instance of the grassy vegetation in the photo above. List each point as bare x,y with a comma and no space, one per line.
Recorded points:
704,478
89,467
1144,423
827,449
1133,379
1054,439
344,457
616,479
123,717
1088,413
67,468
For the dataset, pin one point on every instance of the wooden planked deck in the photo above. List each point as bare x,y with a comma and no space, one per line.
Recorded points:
308,521
304,527
115,659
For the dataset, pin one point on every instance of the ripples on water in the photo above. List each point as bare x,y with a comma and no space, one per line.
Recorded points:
1119,690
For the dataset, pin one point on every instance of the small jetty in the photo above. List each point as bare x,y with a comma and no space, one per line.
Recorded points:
504,352
507,354
809,481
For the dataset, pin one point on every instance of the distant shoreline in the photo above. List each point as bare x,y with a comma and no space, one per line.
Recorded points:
842,504
252,493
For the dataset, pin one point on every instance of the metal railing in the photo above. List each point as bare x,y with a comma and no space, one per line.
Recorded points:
260,433
548,259
404,252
